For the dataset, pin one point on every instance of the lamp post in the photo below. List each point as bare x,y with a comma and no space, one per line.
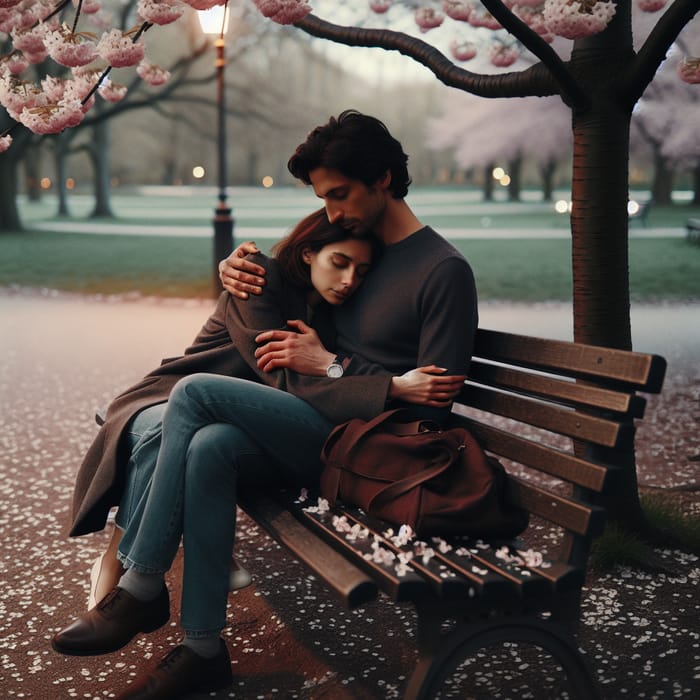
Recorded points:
215,22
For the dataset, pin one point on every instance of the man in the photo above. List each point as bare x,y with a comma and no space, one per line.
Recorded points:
418,305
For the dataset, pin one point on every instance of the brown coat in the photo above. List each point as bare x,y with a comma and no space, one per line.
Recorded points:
225,345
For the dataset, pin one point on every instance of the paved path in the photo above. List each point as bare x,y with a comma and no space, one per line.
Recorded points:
64,355
244,233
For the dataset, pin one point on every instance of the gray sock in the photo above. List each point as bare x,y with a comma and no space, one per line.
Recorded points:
205,644
142,586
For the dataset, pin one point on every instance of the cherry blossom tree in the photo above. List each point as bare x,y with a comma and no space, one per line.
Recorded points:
465,115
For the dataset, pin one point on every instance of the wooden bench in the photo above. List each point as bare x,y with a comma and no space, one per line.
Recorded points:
692,227
561,417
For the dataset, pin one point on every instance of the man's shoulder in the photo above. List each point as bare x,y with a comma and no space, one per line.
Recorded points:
430,250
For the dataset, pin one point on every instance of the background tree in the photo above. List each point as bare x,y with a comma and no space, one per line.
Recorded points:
465,115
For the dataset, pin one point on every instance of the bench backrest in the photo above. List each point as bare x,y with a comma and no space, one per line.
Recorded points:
549,409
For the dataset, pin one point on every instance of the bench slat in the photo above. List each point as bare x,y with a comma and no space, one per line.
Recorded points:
410,586
556,389
643,371
549,417
570,513
349,582
534,454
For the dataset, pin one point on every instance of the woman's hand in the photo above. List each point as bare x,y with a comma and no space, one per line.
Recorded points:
239,276
428,386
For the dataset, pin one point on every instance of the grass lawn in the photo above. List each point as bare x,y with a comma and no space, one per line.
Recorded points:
525,270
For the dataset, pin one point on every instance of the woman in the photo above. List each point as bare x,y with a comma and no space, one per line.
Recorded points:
215,441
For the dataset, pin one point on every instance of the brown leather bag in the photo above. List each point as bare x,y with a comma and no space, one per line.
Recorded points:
440,482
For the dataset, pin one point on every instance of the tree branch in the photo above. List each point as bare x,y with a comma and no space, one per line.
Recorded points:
569,88
660,39
535,81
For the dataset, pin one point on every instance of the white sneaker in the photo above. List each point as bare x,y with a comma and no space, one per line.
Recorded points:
238,577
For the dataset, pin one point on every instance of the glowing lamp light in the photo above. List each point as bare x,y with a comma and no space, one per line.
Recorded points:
198,172
268,181
632,207
562,206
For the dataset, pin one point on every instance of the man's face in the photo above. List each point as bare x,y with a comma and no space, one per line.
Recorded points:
350,203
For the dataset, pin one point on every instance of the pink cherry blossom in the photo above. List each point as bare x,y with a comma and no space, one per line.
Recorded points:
462,50
15,63
17,94
534,19
52,118
503,56
5,143
112,92
428,18
575,19
119,50
6,4
32,40
651,5
457,9
160,11
70,49
284,11
152,74
689,70
379,6
53,88
481,17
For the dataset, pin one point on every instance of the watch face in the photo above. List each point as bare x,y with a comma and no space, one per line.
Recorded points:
334,371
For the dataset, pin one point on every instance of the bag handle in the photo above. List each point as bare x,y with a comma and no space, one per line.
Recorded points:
398,488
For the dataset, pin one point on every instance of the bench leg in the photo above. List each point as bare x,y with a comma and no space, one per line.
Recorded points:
441,653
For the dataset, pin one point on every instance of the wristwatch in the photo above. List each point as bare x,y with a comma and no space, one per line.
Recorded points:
335,369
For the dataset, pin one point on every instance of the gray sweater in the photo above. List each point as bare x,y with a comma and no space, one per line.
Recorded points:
417,306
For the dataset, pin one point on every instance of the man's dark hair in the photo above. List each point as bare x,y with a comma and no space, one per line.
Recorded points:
356,145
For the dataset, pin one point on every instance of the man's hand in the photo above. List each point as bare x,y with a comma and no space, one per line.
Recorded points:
428,386
241,277
301,352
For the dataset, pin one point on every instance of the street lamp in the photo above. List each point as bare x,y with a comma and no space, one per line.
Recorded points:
214,22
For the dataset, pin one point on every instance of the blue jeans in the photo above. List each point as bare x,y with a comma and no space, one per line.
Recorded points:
220,435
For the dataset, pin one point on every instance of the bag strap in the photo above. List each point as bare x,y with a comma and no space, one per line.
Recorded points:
345,438
398,488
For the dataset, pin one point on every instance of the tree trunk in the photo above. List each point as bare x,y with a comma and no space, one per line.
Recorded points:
547,171
99,155
696,184
515,168
32,161
10,220
662,185
488,182
61,158
599,226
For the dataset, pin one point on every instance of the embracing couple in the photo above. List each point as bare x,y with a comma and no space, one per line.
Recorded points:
360,308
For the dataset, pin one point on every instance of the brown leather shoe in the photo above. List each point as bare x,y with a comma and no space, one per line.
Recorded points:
182,672
112,624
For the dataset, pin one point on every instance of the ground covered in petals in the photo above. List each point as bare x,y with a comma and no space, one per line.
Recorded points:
288,637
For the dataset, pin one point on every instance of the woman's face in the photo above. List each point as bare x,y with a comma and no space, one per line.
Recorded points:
338,268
